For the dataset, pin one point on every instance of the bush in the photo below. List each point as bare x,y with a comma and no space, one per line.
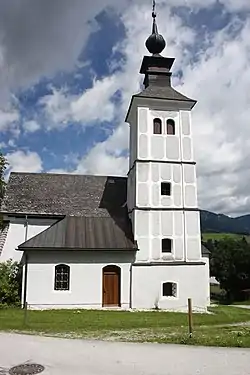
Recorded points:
230,265
10,283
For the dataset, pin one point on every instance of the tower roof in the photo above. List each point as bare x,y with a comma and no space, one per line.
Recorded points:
157,72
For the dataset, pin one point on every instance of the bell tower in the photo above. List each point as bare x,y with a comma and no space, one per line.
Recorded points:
162,187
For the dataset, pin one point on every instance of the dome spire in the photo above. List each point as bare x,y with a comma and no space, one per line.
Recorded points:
155,43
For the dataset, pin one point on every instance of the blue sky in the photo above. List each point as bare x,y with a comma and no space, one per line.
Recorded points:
67,78
53,146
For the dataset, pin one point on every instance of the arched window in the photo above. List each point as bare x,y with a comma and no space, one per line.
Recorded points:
157,126
169,290
62,277
170,127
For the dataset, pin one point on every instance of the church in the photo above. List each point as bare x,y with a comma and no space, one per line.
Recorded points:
130,242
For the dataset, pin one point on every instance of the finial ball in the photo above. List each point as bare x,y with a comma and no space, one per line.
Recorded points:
155,44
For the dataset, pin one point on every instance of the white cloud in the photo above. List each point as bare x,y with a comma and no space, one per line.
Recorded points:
57,107
40,38
11,143
2,145
219,79
8,121
31,126
100,161
24,161
93,105
106,158
59,171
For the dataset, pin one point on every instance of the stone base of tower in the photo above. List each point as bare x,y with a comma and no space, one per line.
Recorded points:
151,282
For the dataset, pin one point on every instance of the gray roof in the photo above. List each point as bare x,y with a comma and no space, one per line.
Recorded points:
65,194
164,92
84,233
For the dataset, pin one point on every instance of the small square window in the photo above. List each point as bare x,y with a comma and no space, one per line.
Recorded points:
165,188
166,245
169,290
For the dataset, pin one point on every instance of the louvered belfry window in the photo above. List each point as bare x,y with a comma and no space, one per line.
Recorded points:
62,277
170,127
157,126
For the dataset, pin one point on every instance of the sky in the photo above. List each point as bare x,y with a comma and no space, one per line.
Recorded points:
68,70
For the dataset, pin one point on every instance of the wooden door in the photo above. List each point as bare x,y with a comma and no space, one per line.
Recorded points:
111,286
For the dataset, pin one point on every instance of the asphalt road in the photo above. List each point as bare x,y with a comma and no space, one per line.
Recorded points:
79,357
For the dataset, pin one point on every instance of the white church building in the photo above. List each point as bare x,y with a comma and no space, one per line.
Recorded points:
126,242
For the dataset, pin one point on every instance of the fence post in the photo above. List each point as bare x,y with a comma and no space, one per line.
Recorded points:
25,313
190,318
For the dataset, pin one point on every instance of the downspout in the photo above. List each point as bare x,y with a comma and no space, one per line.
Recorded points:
25,280
131,287
25,265
26,228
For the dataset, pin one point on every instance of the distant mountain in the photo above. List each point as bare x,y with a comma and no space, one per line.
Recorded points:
217,223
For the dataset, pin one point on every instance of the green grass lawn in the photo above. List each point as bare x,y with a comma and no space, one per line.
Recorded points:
242,303
209,329
221,236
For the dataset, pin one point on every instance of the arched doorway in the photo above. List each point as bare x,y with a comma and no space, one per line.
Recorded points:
111,286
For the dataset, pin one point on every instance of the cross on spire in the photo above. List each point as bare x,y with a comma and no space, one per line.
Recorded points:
153,12
155,43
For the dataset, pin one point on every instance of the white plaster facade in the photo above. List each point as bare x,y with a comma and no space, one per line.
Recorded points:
187,278
153,159
19,230
86,270
156,159
86,288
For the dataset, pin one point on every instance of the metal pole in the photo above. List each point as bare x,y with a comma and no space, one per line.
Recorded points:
25,313
26,227
190,318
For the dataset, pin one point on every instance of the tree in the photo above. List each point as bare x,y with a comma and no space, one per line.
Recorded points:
230,264
3,166
10,283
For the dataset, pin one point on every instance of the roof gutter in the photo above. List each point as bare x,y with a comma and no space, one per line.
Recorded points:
74,249
33,216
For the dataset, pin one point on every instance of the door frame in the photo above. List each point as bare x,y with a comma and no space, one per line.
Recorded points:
116,269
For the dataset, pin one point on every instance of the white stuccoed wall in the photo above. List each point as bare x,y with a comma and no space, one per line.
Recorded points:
191,282
16,236
162,147
85,280
155,159
145,282
149,177
152,226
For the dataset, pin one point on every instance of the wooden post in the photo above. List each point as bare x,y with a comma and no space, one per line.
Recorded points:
25,313
190,318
